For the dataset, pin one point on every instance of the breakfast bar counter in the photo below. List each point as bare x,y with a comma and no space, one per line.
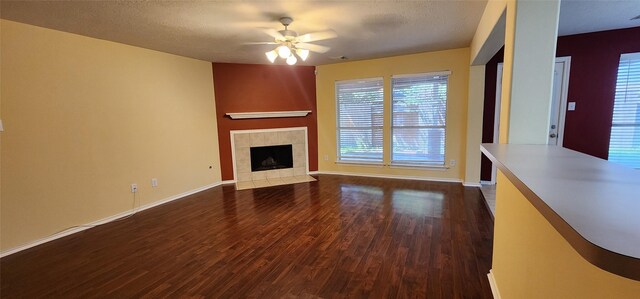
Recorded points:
567,224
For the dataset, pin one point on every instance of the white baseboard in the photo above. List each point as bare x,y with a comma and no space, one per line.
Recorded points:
228,182
80,228
494,285
312,172
471,184
393,176
487,183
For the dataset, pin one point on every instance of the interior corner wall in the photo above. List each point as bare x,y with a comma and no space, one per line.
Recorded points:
85,118
264,88
592,81
455,60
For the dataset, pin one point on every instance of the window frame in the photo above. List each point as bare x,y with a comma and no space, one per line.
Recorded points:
363,160
419,164
635,57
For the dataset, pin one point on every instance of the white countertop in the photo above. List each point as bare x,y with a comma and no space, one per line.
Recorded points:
598,199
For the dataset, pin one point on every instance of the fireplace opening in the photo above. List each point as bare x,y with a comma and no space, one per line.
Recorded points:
271,157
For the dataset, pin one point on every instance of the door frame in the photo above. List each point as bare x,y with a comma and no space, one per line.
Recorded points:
564,94
496,119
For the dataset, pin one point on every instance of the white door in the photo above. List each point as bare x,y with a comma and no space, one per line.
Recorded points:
558,105
559,100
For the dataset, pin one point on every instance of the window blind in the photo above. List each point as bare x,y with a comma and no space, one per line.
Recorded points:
418,111
360,117
624,145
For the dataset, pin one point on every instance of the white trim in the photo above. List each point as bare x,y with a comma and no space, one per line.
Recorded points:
564,94
228,182
312,172
83,227
392,176
496,118
440,73
268,114
494,285
471,184
487,183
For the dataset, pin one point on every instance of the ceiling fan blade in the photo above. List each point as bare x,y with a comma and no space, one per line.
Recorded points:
312,47
261,43
316,36
273,33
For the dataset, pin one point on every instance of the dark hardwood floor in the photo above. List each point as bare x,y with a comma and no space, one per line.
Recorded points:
338,237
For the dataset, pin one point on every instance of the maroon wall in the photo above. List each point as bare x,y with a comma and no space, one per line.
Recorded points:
257,88
490,81
592,84
592,81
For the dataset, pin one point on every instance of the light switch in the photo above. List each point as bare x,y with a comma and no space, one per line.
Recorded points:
572,106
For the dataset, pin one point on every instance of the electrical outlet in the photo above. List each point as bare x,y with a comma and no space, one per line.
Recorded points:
326,157
452,163
134,188
154,182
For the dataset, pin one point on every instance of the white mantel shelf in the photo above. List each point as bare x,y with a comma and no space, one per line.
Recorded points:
270,114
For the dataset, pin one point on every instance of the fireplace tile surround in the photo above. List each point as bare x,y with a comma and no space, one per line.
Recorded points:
243,140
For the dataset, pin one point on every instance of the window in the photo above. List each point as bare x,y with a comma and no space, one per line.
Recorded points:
624,145
360,116
418,112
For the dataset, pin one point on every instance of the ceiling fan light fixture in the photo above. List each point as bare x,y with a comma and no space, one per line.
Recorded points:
272,55
284,51
303,54
291,60
291,46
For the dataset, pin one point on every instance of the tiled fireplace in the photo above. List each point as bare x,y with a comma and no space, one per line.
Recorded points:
271,149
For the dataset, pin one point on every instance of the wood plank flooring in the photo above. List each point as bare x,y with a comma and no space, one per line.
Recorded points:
338,237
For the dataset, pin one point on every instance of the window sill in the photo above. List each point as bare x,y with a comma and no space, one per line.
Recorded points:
395,165
417,166
361,163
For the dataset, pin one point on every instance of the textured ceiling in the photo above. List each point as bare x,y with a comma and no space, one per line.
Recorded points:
581,16
219,30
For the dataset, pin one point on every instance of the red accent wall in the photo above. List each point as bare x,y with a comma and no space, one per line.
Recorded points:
592,82
257,88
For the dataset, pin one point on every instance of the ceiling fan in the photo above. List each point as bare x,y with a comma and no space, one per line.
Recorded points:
290,44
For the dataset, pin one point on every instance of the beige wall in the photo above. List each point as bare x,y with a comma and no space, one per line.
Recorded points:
529,59
457,61
474,124
490,33
84,118
532,260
